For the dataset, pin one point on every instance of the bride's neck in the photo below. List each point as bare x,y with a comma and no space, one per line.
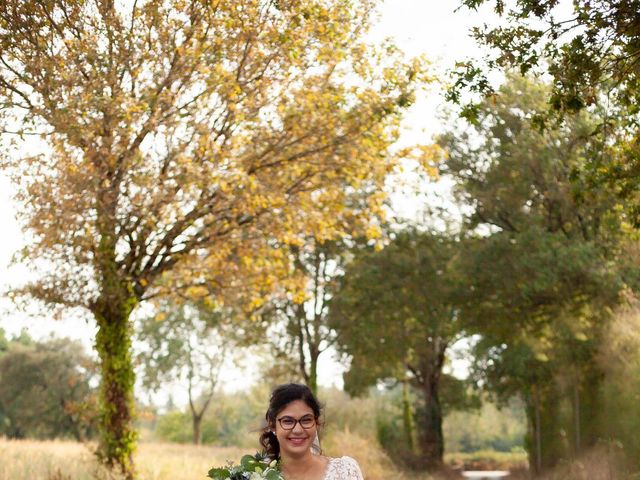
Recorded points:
297,463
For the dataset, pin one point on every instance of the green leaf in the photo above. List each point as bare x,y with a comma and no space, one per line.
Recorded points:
219,473
247,461
273,475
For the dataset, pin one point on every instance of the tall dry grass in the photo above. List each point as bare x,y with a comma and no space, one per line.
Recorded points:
373,461
63,460
601,463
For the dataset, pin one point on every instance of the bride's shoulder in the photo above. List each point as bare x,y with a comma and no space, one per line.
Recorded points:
345,467
346,460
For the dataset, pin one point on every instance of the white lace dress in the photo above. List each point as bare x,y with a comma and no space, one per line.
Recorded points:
343,468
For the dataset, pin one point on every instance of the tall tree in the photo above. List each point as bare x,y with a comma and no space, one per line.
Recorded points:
297,314
547,267
537,301
185,345
179,135
591,51
396,313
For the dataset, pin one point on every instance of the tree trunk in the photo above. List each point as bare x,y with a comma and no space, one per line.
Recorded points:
592,410
537,429
532,442
197,430
407,418
312,383
113,343
545,441
432,440
576,418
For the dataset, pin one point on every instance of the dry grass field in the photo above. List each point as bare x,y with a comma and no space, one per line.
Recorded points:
62,460
65,460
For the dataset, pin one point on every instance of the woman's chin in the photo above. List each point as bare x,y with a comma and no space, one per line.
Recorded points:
298,446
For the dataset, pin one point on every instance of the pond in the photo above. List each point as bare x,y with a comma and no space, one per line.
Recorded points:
485,474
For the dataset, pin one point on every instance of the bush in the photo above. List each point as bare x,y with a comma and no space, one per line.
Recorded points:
489,428
604,462
356,415
488,460
174,427
46,390
620,358
232,420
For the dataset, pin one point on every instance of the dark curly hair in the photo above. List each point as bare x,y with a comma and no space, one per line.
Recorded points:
282,396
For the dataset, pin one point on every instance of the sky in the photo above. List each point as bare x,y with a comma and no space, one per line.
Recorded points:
430,27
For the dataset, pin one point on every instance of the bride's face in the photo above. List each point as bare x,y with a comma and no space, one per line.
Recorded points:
295,428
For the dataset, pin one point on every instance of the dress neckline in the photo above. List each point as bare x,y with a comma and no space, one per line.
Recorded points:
327,468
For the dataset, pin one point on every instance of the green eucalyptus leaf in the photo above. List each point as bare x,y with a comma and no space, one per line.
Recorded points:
219,473
247,461
273,475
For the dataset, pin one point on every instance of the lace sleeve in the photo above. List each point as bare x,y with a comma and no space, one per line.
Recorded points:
344,468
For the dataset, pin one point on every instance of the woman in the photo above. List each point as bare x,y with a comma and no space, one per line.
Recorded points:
291,437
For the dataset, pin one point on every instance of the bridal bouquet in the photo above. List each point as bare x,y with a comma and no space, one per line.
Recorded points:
252,467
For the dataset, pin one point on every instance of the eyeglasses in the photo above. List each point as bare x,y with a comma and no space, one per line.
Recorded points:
289,423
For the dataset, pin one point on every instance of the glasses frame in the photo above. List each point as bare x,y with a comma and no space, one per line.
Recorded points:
297,421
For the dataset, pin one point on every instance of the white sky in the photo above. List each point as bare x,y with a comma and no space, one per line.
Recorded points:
418,27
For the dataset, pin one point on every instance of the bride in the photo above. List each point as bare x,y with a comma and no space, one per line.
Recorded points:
291,437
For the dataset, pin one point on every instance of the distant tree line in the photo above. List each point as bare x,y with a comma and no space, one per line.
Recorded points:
47,389
233,419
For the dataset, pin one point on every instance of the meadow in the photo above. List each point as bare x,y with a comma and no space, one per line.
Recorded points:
68,460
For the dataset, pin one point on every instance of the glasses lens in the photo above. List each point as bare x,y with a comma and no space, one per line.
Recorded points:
307,422
287,422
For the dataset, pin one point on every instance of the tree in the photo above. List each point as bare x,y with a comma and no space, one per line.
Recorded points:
548,266
591,49
396,313
592,54
298,317
179,136
23,338
45,390
186,344
4,342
